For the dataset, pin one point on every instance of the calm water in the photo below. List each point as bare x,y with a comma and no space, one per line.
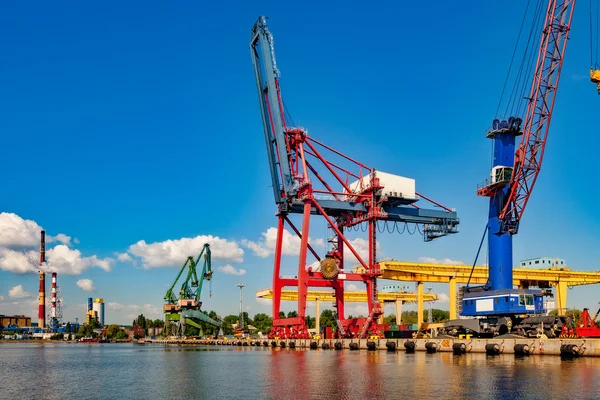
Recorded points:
126,371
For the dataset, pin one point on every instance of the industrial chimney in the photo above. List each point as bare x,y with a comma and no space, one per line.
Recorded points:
42,299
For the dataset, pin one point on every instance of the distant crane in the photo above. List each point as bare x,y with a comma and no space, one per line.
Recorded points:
305,182
183,307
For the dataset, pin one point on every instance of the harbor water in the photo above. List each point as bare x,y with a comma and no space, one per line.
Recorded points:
129,371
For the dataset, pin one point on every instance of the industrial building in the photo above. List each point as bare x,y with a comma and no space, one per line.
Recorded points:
21,321
544,262
95,310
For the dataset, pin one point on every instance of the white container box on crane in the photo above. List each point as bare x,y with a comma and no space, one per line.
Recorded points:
394,186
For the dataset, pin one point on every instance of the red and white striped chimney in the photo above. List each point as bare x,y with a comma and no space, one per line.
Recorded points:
53,301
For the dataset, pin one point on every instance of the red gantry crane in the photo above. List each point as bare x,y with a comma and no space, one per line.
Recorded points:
346,193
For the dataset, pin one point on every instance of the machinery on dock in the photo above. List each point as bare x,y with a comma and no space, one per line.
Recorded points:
346,193
586,326
499,307
183,308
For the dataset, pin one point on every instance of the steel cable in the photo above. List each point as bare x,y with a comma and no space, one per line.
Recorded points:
512,58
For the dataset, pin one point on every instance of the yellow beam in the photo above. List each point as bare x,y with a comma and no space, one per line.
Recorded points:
420,304
452,296
561,297
356,297
415,272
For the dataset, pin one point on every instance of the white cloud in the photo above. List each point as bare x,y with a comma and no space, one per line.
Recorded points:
19,233
258,249
64,239
59,259
19,241
1,298
290,245
149,310
67,261
114,306
124,257
230,270
19,262
447,261
359,310
17,292
16,232
362,248
443,298
351,287
172,253
86,285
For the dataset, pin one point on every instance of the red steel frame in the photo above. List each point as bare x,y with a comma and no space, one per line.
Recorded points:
295,327
298,195
529,155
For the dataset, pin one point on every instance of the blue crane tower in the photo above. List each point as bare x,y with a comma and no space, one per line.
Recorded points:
514,173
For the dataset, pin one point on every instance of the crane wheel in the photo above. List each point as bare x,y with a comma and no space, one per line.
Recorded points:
329,268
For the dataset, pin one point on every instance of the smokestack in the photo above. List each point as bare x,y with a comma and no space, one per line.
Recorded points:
53,301
43,248
42,299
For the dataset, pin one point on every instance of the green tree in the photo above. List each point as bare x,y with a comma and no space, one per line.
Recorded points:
281,314
87,330
327,318
390,320
68,327
112,331
310,322
94,324
292,314
573,313
438,315
140,321
263,323
247,320
121,335
227,322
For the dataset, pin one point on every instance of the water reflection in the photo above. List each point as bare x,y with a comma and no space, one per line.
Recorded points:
59,371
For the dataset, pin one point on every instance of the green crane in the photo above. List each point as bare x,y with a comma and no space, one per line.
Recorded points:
183,308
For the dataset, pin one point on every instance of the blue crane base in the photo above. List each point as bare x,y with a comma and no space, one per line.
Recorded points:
508,302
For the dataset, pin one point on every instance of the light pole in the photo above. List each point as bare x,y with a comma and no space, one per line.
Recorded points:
241,286
430,313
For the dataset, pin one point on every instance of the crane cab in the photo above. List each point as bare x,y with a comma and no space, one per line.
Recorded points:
595,77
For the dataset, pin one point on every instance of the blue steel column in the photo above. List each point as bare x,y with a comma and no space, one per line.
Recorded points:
500,244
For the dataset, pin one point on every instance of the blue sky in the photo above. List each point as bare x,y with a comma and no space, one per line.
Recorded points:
135,122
